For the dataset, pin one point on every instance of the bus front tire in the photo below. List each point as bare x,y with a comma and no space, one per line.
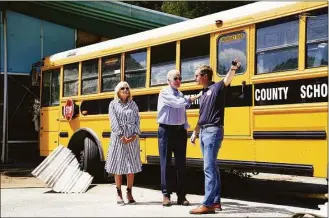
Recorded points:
90,160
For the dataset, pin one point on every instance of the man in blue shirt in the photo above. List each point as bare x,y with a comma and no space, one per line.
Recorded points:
211,123
172,136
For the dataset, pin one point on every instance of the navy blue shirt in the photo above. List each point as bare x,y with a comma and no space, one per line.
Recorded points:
212,104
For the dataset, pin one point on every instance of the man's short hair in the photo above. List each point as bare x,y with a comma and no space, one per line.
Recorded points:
205,70
172,74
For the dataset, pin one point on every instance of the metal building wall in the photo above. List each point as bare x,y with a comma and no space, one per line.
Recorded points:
29,39
56,38
1,43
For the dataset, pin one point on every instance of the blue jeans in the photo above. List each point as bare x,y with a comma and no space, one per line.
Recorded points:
210,141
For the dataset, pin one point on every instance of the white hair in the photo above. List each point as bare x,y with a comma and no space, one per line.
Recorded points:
118,87
171,74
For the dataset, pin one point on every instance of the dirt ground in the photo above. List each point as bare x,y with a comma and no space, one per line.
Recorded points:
19,177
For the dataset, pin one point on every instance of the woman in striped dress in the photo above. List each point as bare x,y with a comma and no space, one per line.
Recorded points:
123,155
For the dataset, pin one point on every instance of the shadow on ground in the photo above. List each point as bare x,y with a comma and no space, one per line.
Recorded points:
287,193
234,207
18,170
53,192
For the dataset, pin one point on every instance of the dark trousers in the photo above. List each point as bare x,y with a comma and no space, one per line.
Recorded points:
172,139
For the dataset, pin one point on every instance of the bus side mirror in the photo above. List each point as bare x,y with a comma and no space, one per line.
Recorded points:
35,77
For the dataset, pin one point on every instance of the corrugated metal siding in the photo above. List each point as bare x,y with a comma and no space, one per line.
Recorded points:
25,41
60,171
146,17
24,45
115,12
57,38
104,18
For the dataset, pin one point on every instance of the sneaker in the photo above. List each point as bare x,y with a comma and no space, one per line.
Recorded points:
166,201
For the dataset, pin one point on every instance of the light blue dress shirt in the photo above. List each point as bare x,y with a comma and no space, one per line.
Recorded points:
172,107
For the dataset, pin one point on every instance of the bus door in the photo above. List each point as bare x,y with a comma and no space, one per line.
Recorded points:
237,124
49,113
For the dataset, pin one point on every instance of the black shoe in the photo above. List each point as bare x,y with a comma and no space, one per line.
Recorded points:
130,197
183,201
119,197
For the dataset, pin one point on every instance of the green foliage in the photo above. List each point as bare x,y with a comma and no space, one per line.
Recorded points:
177,8
153,5
189,9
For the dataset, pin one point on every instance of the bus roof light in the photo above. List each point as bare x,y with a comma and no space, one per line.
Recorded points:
219,23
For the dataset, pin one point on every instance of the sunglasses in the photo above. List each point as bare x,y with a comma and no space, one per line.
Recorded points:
178,78
124,88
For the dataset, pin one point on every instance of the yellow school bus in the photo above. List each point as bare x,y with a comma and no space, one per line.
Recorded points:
276,109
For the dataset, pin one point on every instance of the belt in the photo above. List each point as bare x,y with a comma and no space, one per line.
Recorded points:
210,125
172,126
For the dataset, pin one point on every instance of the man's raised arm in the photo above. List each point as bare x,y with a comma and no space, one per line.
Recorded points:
230,74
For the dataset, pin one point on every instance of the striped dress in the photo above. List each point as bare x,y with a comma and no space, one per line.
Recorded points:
123,158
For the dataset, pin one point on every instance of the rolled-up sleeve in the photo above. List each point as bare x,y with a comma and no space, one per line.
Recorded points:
186,125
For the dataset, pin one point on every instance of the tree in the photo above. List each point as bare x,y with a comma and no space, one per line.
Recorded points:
189,9
153,5
193,9
180,8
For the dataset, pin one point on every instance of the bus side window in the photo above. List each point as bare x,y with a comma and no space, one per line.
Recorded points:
277,45
163,59
135,68
71,79
111,72
194,52
95,107
89,77
153,102
50,88
317,39
231,46
142,102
